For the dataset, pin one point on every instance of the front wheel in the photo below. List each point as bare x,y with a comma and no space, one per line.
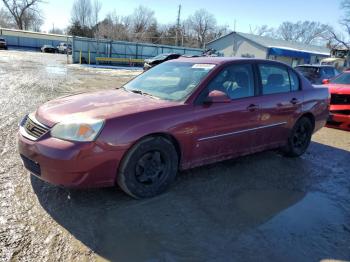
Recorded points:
299,138
148,168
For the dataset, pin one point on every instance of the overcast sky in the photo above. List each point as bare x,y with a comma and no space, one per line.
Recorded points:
246,12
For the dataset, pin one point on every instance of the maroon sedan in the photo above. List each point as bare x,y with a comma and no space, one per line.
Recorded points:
178,115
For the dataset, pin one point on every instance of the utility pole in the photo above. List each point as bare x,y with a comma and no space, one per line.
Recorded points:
182,36
177,25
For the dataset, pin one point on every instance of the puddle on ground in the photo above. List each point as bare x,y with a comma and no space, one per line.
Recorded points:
315,211
313,227
262,204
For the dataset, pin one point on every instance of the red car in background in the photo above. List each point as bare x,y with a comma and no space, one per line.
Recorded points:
178,115
339,88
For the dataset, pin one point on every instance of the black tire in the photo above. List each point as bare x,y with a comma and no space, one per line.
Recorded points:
299,138
148,168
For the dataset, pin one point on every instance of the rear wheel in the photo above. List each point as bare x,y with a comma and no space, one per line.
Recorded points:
300,137
148,168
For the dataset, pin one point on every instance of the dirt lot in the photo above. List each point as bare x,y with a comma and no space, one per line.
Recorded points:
262,207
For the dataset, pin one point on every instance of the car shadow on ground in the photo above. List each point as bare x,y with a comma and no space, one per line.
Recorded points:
206,210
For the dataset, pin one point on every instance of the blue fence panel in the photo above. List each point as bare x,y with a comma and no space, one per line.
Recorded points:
121,49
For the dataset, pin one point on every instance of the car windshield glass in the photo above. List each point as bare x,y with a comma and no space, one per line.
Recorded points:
307,69
343,79
170,81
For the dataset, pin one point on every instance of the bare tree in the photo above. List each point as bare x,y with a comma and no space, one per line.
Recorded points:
20,10
32,21
289,31
82,13
142,26
6,19
142,18
115,27
306,32
202,23
342,39
263,30
96,8
217,32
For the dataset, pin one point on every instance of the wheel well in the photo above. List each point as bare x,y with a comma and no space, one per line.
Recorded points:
170,138
311,117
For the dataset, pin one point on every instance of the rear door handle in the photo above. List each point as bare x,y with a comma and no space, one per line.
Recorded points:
294,101
252,107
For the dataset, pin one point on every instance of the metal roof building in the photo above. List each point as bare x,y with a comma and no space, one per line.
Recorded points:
248,45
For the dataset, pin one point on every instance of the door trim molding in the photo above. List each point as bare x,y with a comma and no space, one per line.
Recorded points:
240,131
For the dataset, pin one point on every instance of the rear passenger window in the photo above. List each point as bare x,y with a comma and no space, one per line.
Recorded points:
294,81
275,79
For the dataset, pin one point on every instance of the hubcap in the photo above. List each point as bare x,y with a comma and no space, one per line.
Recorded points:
150,168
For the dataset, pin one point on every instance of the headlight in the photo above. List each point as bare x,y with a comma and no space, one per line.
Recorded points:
78,129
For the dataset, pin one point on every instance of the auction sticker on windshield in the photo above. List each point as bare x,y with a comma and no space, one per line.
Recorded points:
203,66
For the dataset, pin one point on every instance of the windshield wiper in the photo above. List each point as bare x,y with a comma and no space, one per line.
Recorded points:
137,91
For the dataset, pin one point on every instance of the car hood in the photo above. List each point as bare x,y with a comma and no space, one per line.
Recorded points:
101,105
338,89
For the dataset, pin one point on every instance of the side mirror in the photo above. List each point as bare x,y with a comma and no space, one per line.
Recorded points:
216,96
325,81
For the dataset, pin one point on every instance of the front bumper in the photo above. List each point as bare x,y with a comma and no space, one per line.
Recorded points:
337,119
70,164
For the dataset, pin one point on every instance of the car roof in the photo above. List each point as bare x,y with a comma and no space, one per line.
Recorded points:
315,66
222,60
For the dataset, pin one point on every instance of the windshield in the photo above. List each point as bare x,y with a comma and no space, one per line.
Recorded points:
307,69
343,79
170,81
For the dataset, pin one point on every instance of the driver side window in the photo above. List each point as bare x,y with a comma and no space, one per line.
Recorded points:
236,81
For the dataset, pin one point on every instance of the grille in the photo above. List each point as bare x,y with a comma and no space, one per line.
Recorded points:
33,128
32,166
341,112
340,99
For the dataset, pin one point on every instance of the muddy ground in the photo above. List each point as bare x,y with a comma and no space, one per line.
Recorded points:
257,208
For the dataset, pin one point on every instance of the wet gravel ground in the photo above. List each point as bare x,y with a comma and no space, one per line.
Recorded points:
257,208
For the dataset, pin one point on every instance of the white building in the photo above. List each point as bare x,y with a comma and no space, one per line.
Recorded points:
248,45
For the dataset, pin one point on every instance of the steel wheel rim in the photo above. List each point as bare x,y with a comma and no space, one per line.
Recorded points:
151,168
300,137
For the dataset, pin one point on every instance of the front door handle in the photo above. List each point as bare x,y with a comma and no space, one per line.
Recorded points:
252,107
294,101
